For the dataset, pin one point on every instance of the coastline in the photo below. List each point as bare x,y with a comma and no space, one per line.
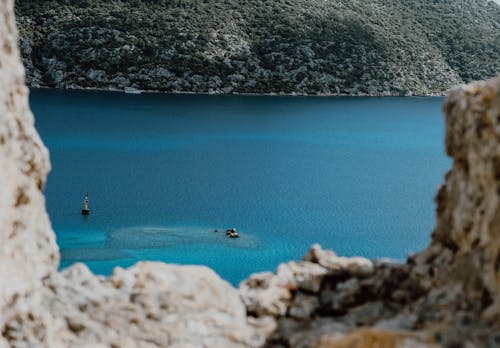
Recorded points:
272,94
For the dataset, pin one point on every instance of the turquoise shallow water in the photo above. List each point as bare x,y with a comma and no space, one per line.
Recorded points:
163,171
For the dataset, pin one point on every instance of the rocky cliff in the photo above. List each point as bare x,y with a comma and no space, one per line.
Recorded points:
378,47
27,243
448,295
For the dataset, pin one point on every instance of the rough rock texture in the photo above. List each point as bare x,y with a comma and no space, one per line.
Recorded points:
325,298
448,295
28,251
469,203
148,305
24,161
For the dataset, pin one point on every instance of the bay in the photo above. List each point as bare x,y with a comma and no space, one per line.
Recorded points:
357,175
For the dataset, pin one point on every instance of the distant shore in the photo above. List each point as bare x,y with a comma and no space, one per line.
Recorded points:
272,94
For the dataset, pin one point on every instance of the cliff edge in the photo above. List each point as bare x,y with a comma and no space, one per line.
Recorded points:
448,295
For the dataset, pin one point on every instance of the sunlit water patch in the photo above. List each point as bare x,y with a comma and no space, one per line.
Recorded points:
149,237
119,240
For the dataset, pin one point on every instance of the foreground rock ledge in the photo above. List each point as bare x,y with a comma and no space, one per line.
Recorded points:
447,295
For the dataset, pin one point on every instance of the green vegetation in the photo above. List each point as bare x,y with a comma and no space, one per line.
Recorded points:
378,47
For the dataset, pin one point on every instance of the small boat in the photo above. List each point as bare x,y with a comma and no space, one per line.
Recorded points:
232,233
85,209
132,90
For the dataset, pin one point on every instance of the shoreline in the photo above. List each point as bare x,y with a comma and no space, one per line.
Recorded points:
272,94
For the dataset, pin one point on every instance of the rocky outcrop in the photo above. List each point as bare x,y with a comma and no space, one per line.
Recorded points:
28,251
322,301
148,305
468,224
448,295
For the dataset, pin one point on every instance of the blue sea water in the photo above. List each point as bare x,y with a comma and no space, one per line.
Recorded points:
357,175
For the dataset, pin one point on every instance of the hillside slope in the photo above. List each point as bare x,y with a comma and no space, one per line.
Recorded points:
380,47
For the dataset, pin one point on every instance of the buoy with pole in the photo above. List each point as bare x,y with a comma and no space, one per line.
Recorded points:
86,210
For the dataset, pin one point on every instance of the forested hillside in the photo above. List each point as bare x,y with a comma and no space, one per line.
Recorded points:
377,47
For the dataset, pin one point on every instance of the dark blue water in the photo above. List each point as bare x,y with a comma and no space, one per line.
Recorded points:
357,175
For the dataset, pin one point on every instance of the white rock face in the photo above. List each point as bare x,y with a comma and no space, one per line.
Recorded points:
357,266
148,305
28,251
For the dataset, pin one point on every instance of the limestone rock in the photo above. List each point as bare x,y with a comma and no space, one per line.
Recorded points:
468,204
150,304
264,294
303,306
304,275
355,266
270,294
264,326
28,251
24,166
341,296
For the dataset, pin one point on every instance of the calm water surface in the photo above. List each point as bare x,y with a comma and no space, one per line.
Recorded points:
357,175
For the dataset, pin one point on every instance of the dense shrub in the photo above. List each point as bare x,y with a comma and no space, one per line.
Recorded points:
261,46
